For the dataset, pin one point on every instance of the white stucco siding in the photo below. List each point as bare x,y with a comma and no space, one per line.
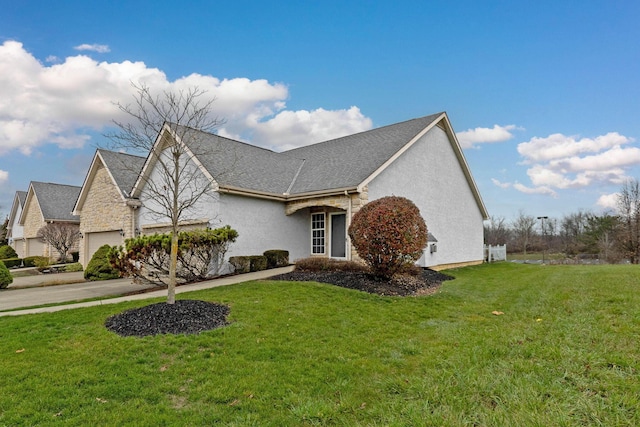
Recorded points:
430,175
263,225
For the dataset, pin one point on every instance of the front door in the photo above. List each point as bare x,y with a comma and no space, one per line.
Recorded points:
338,235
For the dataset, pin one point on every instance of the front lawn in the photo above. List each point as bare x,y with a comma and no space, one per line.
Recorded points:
564,352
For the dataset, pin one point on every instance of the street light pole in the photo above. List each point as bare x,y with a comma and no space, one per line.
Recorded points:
542,218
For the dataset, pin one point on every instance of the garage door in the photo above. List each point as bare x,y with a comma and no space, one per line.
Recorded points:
95,240
35,247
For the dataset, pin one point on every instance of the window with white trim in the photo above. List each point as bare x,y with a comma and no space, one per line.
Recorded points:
317,233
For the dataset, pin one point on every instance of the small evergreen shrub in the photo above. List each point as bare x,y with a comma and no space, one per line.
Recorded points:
240,264
257,263
389,234
12,262
75,256
276,258
35,261
42,263
7,252
100,268
69,268
5,276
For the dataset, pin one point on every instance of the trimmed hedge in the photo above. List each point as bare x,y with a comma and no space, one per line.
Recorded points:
34,261
257,263
12,262
5,277
240,264
276,258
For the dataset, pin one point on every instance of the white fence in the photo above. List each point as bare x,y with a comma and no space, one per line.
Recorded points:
495,253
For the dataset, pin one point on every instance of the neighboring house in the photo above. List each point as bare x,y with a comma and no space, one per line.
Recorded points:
303,200
107,213
15,232
46,203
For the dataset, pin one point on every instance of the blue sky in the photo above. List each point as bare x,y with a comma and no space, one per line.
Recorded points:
544,95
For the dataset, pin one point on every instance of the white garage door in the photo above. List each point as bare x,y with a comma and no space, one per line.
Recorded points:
35,247
95,240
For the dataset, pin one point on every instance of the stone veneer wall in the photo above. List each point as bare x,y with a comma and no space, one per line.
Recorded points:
350,203
104,209
33,222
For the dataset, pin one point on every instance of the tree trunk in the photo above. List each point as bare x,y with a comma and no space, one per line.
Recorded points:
173,263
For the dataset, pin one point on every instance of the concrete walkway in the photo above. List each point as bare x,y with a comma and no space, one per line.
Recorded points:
31,296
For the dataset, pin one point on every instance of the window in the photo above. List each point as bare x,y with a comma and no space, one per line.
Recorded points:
317,234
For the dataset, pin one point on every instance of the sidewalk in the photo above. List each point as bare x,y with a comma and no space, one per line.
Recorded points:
84,287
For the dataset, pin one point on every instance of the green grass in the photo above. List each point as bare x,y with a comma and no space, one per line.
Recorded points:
564,353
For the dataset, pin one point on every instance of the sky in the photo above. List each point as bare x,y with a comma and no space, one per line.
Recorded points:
544,96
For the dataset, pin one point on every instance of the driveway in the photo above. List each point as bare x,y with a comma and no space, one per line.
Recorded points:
16,297
32,291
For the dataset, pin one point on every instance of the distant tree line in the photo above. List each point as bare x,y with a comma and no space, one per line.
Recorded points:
611,236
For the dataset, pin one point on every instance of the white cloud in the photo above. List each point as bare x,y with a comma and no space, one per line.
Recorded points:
58,104
608,201
534,190
558,146
4,176
479,135
566,162
500,184
292,129
100,48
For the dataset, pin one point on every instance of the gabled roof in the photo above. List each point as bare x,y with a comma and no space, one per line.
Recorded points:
18,203
343,164
56,201
348,161
123,169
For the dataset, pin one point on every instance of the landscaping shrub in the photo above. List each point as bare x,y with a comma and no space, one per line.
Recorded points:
99,268
388,234
5,277
257,263
240,264
36,261
276,258
12,262
201,254
42,263
75,256
328,264
76,266
7,252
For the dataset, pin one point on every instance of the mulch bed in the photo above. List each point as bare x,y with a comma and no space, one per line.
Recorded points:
183,317
194,316
427,283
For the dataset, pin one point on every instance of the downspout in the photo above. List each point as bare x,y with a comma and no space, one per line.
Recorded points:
348,239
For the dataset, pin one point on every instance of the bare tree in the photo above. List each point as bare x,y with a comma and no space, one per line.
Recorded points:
629,211
523,229
62,236
573,227
496,231
177,185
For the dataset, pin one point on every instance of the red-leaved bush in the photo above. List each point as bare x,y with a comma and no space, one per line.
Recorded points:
389,234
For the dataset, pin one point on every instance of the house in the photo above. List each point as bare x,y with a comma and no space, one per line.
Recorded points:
15,232
107,213
302,200
45,203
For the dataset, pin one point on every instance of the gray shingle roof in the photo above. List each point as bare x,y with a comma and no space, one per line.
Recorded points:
240,165
348,161
335,164
56,200
22,197
125,168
